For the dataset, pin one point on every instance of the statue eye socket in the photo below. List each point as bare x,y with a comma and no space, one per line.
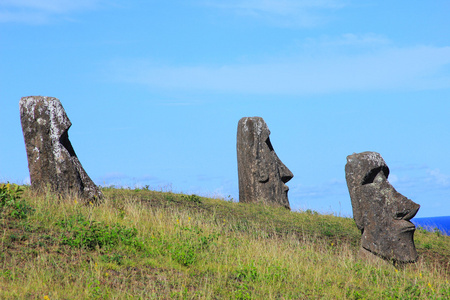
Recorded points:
64,140
376,175
269,144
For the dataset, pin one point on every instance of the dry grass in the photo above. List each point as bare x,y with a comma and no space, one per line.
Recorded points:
188,247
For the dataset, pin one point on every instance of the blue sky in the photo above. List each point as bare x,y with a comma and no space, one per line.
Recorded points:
155,90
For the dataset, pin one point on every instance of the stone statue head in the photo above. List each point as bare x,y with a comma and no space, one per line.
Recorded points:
51,158
262,175
380,212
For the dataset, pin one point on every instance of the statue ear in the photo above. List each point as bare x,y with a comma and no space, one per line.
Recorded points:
261,173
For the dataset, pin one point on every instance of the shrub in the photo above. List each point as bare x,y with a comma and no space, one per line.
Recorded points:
192,198
11,203
189,243
82,233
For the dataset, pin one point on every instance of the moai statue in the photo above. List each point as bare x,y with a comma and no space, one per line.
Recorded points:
51,159
262,175
380,212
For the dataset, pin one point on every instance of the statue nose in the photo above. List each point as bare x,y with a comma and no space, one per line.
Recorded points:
407,208
285,173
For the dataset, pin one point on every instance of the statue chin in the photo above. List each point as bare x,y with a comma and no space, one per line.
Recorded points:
397,248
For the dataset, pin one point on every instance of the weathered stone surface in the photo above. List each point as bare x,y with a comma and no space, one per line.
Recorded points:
51,158
380,212
262,175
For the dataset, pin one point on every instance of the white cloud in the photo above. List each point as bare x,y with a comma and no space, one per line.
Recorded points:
285,13
311,72
23,17
393,179
327,197
439,178
122,180
55,6
332,188
347,39
40,11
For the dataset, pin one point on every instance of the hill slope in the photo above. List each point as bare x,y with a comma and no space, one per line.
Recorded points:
143,244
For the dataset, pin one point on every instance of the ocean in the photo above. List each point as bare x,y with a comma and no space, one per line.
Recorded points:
441,223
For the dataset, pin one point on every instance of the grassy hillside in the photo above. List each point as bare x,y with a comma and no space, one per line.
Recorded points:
142,244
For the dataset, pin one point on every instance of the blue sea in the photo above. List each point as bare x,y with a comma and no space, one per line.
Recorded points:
441,223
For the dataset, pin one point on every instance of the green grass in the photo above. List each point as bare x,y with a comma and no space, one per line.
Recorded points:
142,244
